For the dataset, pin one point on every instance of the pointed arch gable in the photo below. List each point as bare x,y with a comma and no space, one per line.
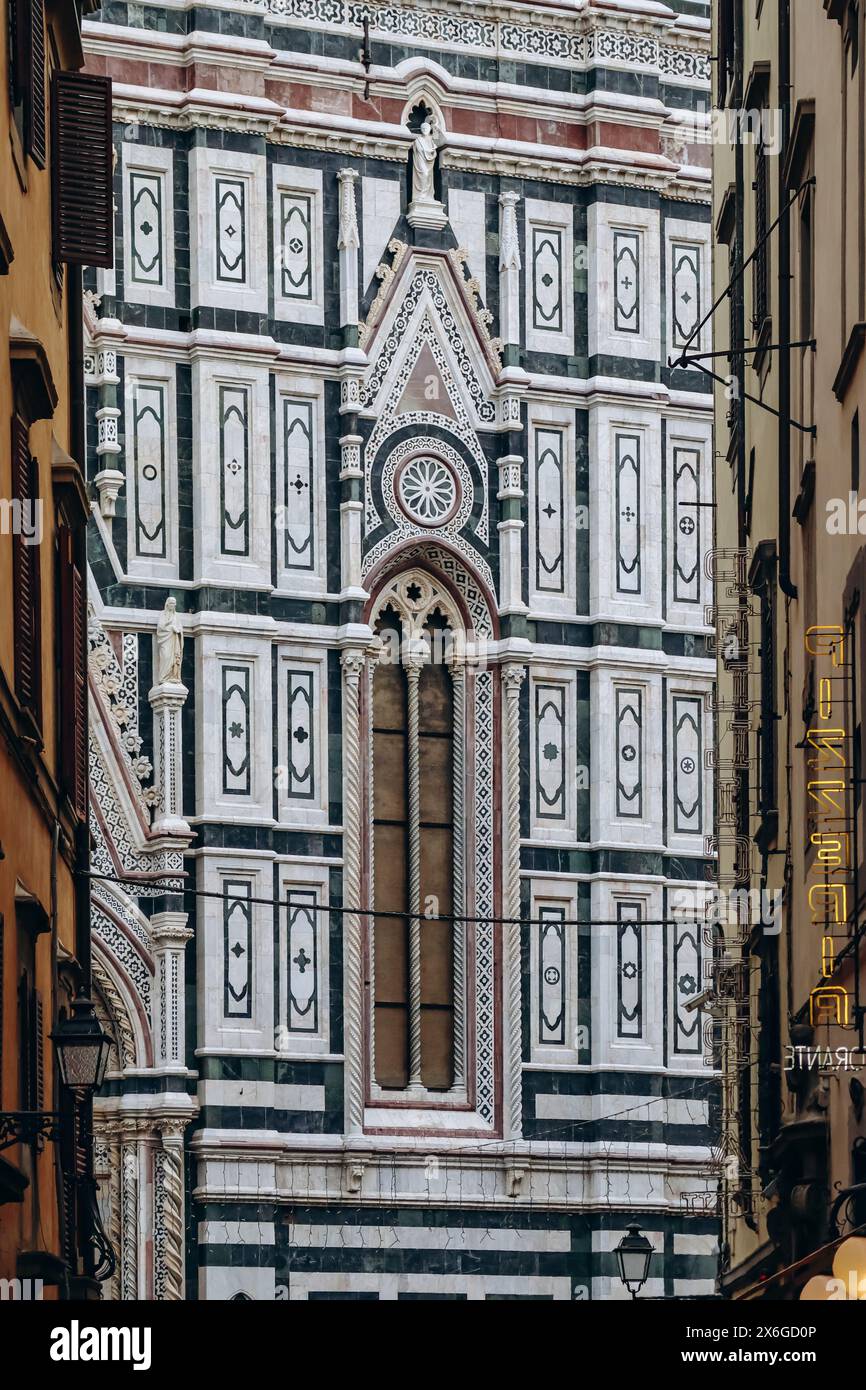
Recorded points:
429,299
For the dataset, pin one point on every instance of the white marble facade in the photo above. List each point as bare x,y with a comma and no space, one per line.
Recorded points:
324,407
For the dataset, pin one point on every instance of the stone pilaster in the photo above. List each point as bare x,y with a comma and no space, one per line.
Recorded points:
169,935
351,517
512,678
348,244
510,527
167,701
109,480
509,270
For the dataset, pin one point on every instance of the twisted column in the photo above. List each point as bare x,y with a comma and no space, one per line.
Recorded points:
352,662
413,667
458,816
512,679
127,1246
168,1233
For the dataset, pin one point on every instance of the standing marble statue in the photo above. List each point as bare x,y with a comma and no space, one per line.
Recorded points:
425,210
424,151
169,645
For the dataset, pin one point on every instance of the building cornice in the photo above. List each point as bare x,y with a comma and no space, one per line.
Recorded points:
205,108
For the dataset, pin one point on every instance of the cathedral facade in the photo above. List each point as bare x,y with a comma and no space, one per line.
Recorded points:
401,691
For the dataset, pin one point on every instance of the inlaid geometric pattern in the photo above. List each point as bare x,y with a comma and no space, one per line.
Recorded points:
547,279
300,755
234,469
149,461
237,949
303,959
685,291
549,511
299,484
147,216
628,514
230,196
550,752
552,984
687,528
629,751
236,737
630,969
296,249
686,973
626,282
687,764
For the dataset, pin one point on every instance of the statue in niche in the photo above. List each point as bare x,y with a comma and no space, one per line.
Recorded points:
424,152
169,645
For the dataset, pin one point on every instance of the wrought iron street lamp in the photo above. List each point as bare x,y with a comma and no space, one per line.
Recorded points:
82,1052
633,1254
82,1048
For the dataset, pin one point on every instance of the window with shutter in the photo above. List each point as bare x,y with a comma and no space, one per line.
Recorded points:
27,54
35,133
73,691
81,163
25,573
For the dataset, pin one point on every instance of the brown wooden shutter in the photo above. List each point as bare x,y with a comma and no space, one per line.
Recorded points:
73,695
19,49
25,571
35,124
81,168
38,1097
25,1039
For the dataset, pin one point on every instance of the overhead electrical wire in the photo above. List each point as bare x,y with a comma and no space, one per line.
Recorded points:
159,889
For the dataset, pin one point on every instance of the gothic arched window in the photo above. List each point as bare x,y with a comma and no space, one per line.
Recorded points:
413,827
429,849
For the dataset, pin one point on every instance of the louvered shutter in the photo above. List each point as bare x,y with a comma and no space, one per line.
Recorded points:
73,699
25,1039
38,1097
35,128
25,570
83,206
